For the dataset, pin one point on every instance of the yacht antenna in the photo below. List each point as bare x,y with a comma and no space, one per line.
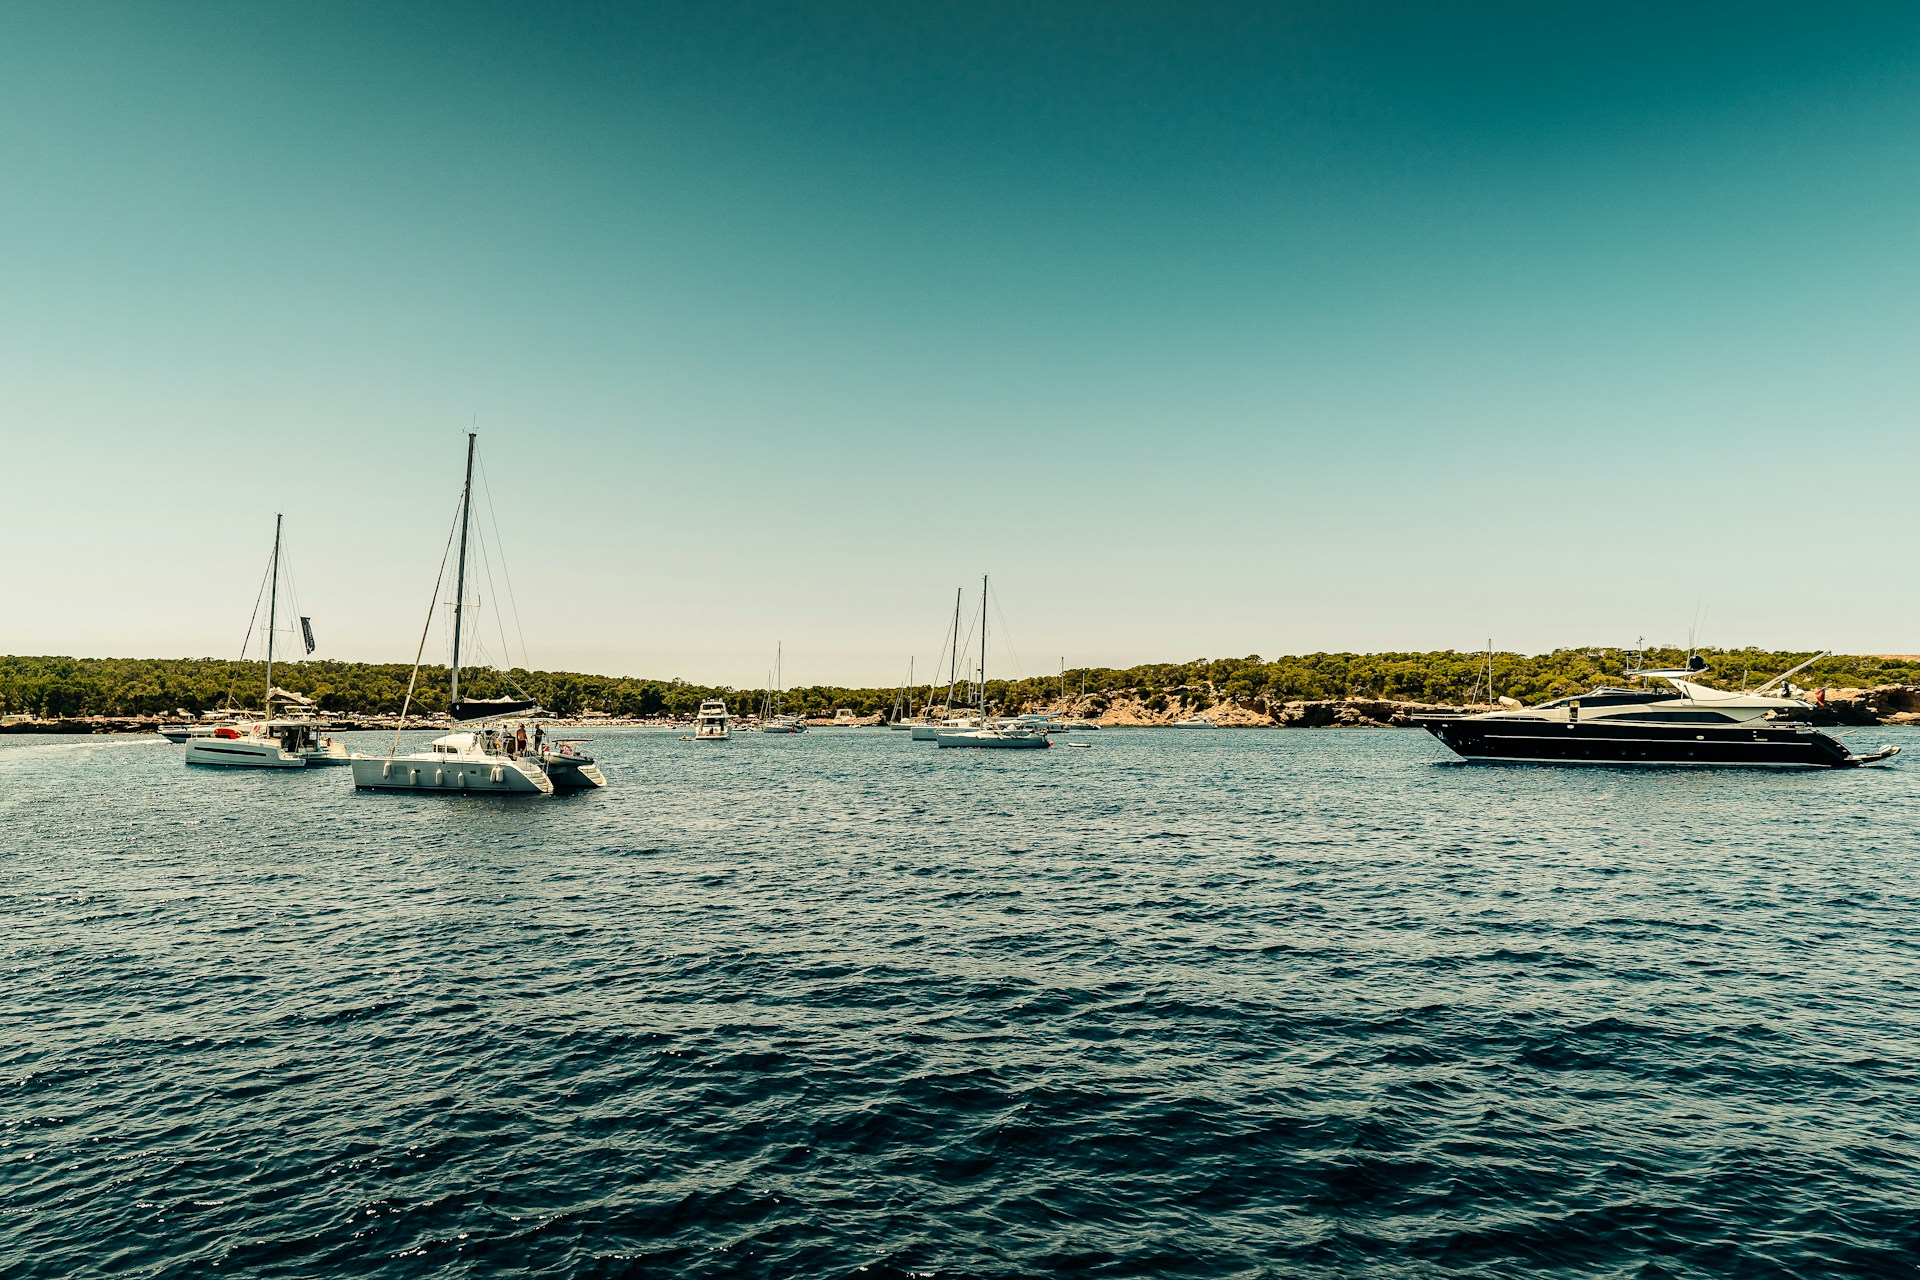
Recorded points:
460,574
273,598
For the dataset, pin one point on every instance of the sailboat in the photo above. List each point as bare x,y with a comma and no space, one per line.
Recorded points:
772,719
902,714
927,729
1015,733
289,742
495,755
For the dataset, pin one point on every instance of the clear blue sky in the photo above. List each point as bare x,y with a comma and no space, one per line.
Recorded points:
1206,329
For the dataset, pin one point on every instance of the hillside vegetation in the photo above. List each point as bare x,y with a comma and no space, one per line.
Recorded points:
55,686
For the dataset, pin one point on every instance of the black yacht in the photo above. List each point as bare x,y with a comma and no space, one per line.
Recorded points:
1683,723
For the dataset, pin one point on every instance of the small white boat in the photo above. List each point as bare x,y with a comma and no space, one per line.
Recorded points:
1195,722
930,730
253,747
711,724
1020,736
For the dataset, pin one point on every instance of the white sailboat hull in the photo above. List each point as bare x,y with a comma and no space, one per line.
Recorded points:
999,738
484,775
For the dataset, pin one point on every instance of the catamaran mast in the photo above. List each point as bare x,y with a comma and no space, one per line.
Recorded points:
460,574
273,598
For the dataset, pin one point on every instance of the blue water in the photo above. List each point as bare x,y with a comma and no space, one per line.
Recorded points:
1178,1004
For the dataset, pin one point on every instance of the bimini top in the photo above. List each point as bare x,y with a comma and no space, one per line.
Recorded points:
488,708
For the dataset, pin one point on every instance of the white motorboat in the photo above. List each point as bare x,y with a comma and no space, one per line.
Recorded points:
1195,722
495,754
1019,732
266,743
930,730
252,747
711,724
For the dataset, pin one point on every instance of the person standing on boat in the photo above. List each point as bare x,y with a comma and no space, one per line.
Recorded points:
520,741
539,737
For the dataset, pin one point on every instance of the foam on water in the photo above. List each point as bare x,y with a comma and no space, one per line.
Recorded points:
1186,1003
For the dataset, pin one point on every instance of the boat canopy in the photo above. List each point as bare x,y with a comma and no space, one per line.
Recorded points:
484,708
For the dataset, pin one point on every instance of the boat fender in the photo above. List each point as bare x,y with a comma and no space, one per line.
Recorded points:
499,774
386,768
439,777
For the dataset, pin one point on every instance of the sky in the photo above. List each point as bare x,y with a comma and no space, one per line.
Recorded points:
1206,330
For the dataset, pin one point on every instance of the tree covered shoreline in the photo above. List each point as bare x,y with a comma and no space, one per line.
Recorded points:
61,686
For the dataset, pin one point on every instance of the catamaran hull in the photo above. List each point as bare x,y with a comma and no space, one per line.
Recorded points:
1598,742
572,773
483,777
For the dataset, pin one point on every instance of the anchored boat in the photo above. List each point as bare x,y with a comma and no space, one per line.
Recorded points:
504,752
1004,734
1683,723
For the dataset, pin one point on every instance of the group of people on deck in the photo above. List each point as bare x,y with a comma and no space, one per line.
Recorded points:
514,742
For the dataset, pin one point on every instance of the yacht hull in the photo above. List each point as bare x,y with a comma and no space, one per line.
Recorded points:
484,776
242,753
1598,742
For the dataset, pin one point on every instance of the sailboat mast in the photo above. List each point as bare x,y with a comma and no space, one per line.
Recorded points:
460,574
273,599
983,650
953,651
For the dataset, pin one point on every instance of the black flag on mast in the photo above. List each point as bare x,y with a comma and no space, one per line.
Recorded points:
306,632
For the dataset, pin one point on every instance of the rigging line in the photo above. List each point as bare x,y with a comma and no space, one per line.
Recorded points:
251,619
505,665
1019,667
506,570
432,609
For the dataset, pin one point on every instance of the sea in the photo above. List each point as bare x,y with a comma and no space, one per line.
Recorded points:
1160,1003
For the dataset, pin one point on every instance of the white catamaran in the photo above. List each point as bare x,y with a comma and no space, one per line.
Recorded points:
285,742
495,755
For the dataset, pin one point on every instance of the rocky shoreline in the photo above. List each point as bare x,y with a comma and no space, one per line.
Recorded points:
1893,704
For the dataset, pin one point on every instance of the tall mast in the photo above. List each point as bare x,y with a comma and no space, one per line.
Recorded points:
953,651
273,598
460,574
983,651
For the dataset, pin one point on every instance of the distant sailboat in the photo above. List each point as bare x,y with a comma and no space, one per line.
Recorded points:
1015,733
927,729
288,742
772,718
